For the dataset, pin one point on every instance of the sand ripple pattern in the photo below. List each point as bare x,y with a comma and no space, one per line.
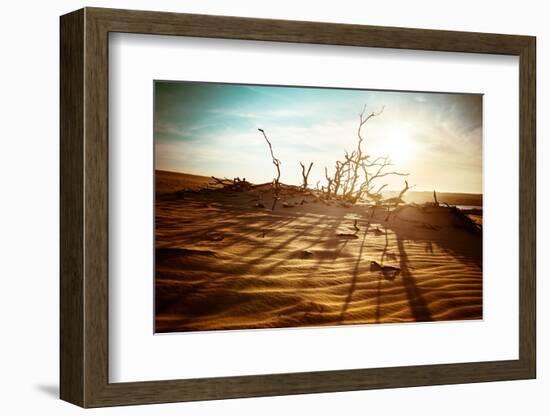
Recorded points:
220,263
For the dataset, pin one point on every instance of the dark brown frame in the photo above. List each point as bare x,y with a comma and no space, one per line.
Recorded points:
84,207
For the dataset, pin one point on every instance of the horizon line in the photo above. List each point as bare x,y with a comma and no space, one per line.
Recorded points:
389,190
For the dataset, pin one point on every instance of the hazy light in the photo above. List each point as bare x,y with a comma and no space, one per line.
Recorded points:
400,145
211,129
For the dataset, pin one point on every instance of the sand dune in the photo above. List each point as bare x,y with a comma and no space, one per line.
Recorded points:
223,263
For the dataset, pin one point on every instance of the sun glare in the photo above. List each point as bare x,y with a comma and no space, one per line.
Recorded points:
400,146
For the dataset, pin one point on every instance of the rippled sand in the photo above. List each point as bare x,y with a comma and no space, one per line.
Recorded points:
222,263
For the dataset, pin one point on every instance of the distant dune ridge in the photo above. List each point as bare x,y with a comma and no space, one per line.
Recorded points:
225,260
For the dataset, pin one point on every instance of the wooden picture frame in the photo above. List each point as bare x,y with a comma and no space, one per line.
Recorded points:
84,207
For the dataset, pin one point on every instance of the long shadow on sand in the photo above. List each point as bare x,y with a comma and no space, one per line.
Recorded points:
417,303
354,276
461,246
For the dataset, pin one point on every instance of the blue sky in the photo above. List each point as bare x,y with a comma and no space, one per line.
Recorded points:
212,129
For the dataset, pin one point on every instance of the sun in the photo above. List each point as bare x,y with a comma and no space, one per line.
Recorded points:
399,145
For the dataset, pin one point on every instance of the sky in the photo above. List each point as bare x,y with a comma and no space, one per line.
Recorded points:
211,129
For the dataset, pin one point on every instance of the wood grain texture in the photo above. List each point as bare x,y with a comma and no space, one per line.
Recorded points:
84,207
225,27
96,282
72,215
527,207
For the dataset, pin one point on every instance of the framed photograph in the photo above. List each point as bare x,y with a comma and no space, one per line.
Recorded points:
255,207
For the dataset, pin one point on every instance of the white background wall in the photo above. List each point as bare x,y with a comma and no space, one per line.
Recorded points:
29,207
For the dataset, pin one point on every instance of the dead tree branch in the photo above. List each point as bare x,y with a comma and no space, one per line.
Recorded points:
235,184
329,182
436,202
276,185
355,177
394,202
305,174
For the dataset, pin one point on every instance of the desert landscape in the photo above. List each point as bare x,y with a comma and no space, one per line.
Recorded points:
275,209
225,260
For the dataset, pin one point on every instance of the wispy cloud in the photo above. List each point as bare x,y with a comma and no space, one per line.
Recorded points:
211,129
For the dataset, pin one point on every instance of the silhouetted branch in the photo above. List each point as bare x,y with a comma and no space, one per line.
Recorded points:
329,182
305,174
397,200
277,163
236,184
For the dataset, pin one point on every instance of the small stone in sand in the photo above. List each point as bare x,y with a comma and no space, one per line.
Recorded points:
378,231
347,235
375,266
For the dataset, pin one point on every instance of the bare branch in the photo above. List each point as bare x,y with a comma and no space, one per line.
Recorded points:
382,187
329,181
392,173
305,174
357,159
436,202
277,164
394,202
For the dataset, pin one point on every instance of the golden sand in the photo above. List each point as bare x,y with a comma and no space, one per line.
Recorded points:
225,262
